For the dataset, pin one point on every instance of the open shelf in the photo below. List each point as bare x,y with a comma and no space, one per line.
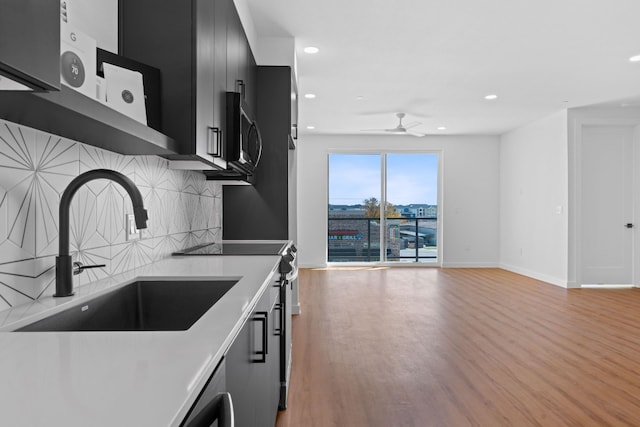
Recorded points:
72,115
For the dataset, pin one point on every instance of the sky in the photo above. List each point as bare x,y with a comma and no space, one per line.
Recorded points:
411,178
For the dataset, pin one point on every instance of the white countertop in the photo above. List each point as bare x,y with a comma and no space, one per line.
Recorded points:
123,378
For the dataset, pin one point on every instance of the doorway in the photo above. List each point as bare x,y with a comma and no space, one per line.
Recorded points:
606,206
383,208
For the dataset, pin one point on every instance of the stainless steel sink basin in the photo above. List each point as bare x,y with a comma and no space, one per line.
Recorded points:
140,306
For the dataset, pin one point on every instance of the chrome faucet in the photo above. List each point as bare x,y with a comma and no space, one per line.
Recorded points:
64,267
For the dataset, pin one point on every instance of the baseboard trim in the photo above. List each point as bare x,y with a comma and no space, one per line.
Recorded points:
295,309
469,265
535,275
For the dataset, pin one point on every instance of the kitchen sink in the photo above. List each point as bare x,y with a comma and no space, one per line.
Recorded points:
149,305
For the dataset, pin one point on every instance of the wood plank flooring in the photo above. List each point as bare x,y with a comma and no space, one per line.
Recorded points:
461,347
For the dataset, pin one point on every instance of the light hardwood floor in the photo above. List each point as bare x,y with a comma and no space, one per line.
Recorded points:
461,347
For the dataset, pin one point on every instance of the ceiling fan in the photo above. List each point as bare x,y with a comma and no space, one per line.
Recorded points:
400,129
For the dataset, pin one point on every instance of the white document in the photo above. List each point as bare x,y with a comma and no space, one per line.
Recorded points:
125,92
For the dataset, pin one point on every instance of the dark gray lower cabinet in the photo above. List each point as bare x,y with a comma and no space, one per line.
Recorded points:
252,365
215,386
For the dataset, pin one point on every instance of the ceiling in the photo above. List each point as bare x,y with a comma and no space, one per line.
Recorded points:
436,60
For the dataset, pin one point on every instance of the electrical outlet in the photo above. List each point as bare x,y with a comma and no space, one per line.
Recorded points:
130,227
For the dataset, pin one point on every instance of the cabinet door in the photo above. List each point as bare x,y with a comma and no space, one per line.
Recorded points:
273,382
240,370
204,84
234,29
266,376
145,37
250,81
245,371
252,376
181,42
30,43
220,65
216,384
243,49
294,108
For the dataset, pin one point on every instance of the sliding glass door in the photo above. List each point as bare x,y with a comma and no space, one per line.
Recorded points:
383,207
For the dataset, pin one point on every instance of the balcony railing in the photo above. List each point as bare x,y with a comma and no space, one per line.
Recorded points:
354,239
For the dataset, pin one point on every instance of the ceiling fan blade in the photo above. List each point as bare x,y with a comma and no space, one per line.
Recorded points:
375,130
412,125
397,131
390,112
418,134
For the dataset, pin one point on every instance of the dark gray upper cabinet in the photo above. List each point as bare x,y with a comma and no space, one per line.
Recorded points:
30,43
200,48
248,76
240,61
186,43
262,211
220,63
294,113
234,49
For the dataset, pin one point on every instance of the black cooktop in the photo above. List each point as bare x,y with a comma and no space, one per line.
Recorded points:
234,249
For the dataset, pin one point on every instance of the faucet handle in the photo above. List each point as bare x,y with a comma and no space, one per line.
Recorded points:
78,267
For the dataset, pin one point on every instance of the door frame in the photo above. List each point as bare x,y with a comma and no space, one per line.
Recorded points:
578,119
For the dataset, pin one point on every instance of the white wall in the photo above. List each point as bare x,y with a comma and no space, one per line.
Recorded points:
470,183
247,22
98,19
534,199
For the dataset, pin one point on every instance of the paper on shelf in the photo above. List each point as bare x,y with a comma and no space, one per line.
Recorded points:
125,91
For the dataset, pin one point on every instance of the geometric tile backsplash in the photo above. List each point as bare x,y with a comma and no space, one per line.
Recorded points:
35,167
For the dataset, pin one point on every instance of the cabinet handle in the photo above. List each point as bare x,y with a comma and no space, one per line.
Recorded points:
240,86
214,142
278,331
264,319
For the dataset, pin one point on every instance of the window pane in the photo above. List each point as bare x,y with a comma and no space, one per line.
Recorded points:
411,208
354,195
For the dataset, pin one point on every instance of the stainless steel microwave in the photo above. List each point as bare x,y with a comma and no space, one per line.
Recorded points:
243,142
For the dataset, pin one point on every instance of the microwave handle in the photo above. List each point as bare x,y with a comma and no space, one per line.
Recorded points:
255,129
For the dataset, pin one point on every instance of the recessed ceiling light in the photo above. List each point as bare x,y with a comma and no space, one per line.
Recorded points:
359,98
635,58
309,95
491,97
311,49
311,127
442,128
